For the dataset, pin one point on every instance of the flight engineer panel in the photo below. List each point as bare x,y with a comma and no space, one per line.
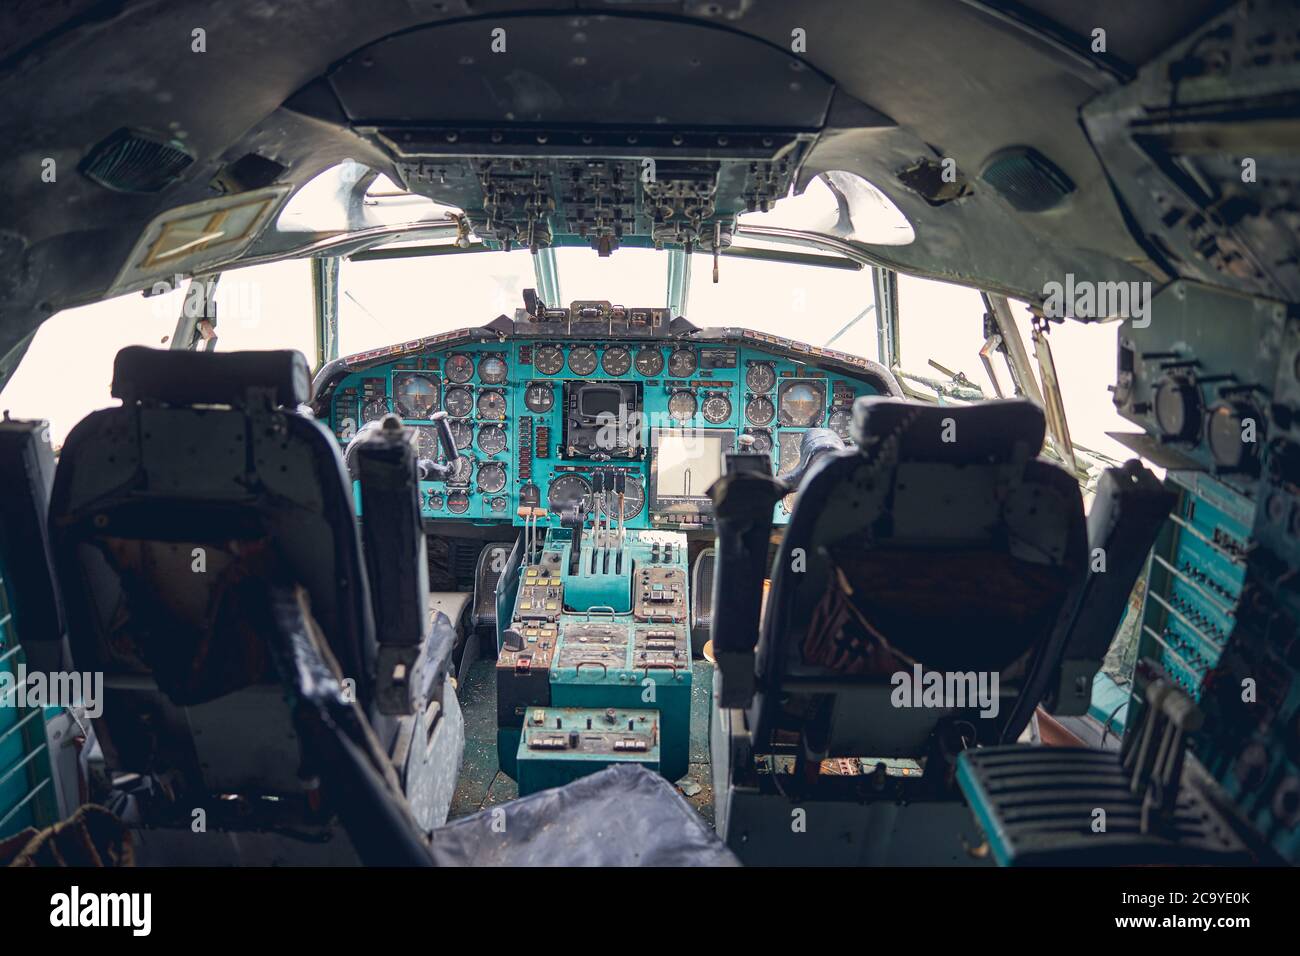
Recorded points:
538,420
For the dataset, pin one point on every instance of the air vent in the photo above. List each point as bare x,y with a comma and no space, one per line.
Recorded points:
134,162
1027,179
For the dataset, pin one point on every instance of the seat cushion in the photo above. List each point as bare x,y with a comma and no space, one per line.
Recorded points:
621,816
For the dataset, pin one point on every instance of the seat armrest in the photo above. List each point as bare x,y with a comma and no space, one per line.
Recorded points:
743,500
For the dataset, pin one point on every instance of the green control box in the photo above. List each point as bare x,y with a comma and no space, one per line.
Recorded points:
559,744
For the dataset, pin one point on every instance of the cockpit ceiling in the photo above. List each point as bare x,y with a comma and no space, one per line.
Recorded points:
872,88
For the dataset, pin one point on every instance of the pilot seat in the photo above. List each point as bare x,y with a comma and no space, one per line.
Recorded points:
919,606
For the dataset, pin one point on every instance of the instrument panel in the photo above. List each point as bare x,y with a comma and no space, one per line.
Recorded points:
536,422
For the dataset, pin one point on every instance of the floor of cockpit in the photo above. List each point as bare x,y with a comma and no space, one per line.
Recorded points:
482,784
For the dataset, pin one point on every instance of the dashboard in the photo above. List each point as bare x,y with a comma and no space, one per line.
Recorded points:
541,409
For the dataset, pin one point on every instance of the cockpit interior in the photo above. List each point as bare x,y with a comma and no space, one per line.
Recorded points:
664,433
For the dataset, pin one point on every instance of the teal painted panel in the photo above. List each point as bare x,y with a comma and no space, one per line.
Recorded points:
26,784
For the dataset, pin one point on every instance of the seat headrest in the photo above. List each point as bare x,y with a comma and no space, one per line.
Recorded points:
986,432
209,378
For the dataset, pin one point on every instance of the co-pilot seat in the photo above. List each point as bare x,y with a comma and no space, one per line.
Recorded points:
205,541
941,543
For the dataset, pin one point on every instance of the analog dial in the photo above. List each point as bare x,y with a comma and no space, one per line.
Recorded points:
492,439
492,406
530,496
491,478
840,422
800,404
415,395
464,470
374,410
492,370
458,502
548,360
649,362
681,406
426,442
582,360
462,433
760,377
681,364
762,440
716,408
459,368
633,500
459,402
539,397
616,360
436,501
760,410
566,491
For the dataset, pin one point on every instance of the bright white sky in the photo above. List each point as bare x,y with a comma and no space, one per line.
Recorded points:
68,370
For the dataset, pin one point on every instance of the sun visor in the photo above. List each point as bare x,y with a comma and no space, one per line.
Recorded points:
198,237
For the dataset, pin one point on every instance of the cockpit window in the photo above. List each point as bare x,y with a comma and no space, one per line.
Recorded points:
829,304
383,301
840,204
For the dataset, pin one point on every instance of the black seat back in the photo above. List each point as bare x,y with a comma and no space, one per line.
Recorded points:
169,516
943,541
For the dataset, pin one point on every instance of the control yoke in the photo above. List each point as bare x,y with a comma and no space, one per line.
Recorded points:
428,470
816,443
441,470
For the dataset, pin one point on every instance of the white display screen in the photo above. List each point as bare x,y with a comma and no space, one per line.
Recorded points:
689,462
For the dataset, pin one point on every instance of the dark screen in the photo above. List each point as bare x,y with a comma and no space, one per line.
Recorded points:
599,400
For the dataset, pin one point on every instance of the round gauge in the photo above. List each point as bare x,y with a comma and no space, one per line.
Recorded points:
1178,408
681,364
616,360
491,478
566,492
649,362
716,408
548,360
760,410
582,360
530,496
459,402
681,406
459,368
436,501
1226,433
458,502
538,397
760,377
374,410
462,432
492,370
840,421
800,404
415,395
762,441
492,406
426,442
633,500
464,471
492,439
